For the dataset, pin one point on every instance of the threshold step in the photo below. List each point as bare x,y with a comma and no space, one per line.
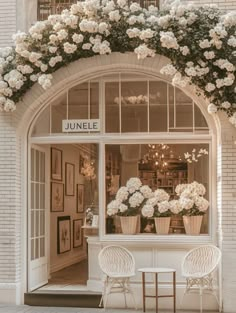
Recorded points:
80,299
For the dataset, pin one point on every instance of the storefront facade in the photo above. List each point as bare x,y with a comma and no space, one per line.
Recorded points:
31,127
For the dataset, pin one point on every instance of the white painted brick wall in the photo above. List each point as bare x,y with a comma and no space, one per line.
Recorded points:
7,21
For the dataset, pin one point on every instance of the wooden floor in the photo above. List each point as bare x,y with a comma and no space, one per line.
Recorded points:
73,277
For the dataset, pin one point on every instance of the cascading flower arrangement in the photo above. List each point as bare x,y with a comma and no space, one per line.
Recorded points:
158,205
191,200
200,43
129,199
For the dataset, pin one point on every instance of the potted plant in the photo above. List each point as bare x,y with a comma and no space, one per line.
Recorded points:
193,205
159,207
128,202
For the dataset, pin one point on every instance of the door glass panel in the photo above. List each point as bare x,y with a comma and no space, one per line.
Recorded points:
36,248
42,166
42,223
32,249
37,196
42,247
37,166
32,196
32,224
32,165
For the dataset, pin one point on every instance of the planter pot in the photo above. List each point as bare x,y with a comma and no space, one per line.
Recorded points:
192,224
162,225
129,224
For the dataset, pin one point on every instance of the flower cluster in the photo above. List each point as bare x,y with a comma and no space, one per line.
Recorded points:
130,198
158,205
194,156
200,43
88,169
191,201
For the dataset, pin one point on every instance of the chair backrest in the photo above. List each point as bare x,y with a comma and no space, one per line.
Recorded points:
115,260
201,261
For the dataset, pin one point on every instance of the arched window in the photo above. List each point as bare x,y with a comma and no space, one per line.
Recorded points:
147,129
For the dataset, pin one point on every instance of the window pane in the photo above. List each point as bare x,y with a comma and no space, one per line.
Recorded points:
42,167
158,106
94,100
42,196
42,247
32,249
58,113
157,165
112,107
42,223
134,106
78,102
42,126
32,164
184,110
200,120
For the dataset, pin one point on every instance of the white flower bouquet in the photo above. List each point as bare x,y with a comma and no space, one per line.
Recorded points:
158,205
191,201
130,198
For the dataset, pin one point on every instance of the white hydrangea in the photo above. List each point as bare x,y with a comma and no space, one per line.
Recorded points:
54,60
147,210
133,32
210,87
168,69
202,204
77,38
163,206
212,108
143,51
88,26
232,119
45,80
152,201
161,195
184,50
232,41
69,48
113,207
136,199
204,44
146,34
146,191
86,46
175,206
134,7
168,40
123,208
179,81
209,55
229,19
164,21
133,184
114,16
186,203
226,104
122,194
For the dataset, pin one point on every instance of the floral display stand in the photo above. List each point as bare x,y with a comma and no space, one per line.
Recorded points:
162,225
192,224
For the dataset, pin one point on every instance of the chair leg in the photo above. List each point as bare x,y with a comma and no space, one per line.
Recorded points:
200,294
131,293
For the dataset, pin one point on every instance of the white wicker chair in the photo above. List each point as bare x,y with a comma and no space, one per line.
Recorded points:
118,265
198,268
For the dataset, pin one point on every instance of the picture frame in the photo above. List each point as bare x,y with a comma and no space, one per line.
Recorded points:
56,164
80,198
77,233
70,179
63,234
57,197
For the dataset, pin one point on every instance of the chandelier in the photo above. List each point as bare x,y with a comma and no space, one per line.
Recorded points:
157,156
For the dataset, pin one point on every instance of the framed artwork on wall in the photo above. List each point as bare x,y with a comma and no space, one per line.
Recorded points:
57,197
80,198
56,164
70,179
63,234
77,233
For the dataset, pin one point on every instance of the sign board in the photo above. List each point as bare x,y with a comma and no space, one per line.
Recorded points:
77,126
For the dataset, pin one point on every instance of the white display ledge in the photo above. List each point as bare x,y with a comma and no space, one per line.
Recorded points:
154,240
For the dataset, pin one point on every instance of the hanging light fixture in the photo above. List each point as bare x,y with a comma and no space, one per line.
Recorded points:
157,156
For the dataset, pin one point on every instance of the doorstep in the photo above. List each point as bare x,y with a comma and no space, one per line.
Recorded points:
82,299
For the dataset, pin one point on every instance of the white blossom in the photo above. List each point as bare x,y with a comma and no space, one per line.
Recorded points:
146,191
133,184
136,199
143,51
122,194
69,48
114,16
45,80
168,40
77,38
147,210
226,105
212,108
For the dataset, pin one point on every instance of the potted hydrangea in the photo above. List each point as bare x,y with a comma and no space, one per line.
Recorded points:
159,207
128,202
193,205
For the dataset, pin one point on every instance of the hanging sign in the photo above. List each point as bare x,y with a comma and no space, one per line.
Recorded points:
77,126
